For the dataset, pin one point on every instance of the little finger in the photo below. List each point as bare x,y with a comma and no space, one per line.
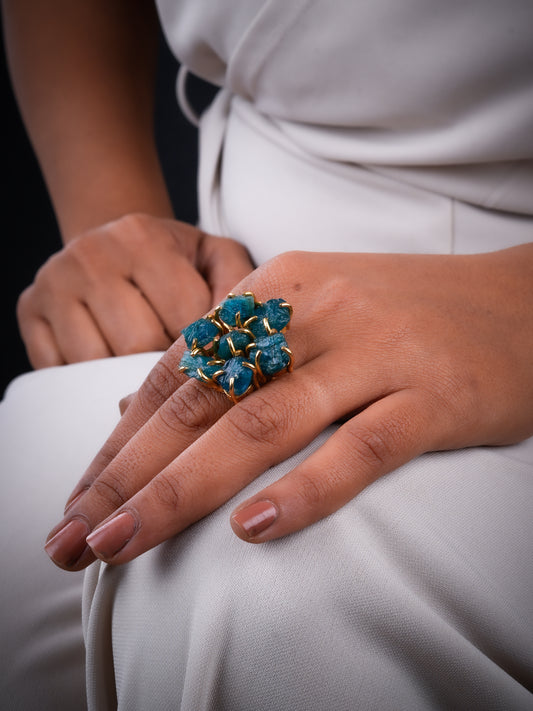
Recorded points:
41,345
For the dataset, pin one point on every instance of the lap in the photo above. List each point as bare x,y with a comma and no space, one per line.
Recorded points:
413,596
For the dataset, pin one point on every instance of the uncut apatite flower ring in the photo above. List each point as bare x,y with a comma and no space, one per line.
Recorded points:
240,346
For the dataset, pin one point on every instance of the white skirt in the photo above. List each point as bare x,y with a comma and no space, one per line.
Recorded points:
415,595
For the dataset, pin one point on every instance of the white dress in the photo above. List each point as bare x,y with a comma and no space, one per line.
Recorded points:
379,126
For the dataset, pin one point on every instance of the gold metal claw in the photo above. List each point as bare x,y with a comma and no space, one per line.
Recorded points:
290,364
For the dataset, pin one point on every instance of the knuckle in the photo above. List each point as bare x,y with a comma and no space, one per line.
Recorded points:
313,490
277,273
159,384
259,420
81,249
110,491
191,407
286,264
133,224
83,258
376,446
289,260
167,492
49,274
133,230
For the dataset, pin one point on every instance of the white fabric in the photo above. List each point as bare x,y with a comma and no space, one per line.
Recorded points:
439,95
417,594
52,422
273,197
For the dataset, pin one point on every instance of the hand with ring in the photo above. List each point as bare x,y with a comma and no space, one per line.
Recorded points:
408,353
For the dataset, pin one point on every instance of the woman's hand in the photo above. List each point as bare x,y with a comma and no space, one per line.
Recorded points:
128,286
412,352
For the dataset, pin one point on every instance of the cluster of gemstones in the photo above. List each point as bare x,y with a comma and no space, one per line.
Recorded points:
240,346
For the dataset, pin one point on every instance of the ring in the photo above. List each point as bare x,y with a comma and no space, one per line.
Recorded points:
240,346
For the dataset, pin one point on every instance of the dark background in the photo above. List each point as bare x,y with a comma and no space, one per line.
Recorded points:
30,232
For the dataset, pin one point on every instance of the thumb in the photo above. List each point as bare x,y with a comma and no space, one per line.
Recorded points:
223,262
381,438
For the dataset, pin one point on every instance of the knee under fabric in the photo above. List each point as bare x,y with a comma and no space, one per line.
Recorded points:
412,596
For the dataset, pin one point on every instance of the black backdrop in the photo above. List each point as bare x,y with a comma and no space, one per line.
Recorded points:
30,233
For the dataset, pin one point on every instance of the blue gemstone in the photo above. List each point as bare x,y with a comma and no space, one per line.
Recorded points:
278,317
203,331
235,368
240,340
243,305
257,327
272,359
192,363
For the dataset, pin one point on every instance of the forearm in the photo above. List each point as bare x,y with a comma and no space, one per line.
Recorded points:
83,73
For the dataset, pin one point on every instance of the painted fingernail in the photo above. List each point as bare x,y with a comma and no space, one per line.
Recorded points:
255,519
66,547
107,540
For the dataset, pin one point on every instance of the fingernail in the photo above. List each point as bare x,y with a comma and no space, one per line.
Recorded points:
66,547
107,540
256,518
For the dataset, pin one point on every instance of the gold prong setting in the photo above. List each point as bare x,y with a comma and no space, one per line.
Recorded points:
240,346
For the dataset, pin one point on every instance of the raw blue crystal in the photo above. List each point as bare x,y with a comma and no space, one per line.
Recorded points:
244,305
277,316
202,330
240,340
235,368
257,327
193,362
272,359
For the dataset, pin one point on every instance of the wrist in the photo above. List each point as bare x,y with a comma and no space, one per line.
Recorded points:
111,189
